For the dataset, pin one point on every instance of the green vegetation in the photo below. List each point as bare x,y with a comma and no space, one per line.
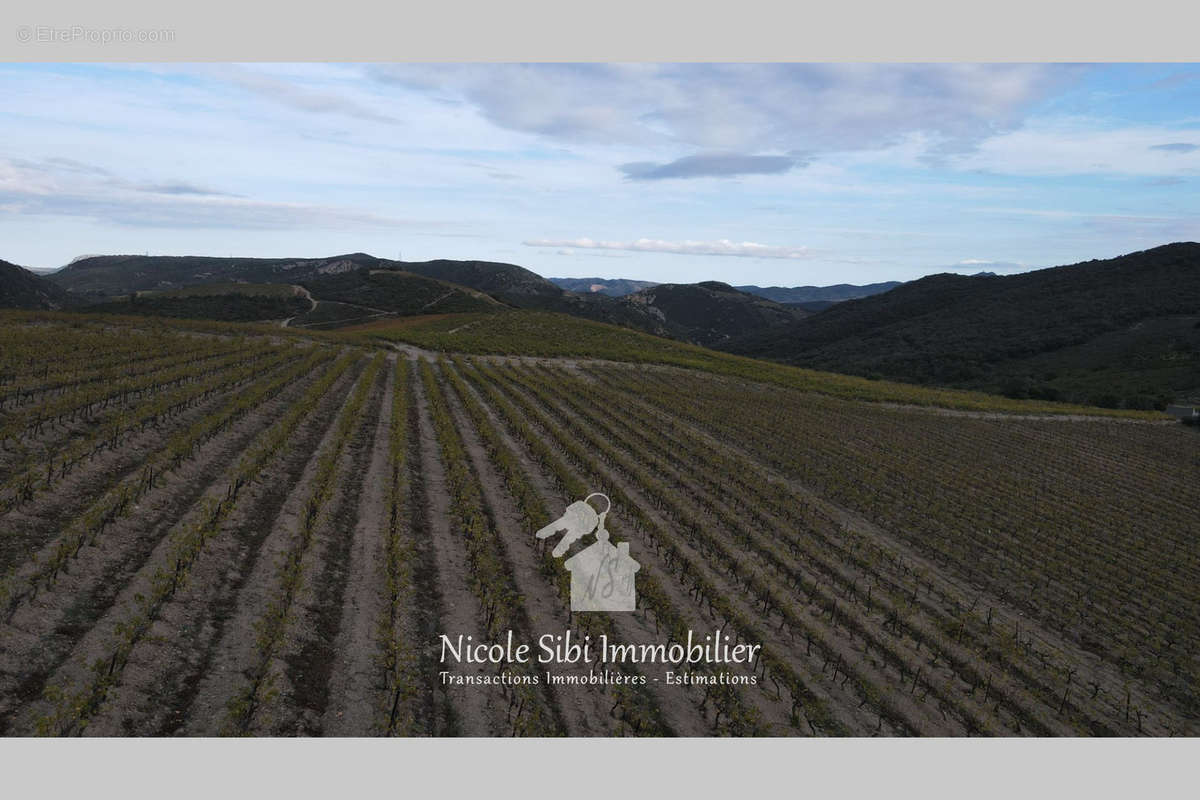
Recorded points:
101,276
1121,334
72,708
401,293
207,377
1147,365
635,709
1118,333
492,581
545,334
219,306
20,288
282,290
711,312
121,499
399,657
263,679
190,511
330,315
103,326
1106,541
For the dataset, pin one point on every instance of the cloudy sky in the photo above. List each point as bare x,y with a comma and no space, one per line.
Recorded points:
770,174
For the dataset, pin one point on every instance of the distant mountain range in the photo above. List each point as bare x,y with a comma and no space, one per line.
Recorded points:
795,295
711,312
356,286
1119,332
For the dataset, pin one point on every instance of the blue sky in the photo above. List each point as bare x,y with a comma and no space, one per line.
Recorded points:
783,174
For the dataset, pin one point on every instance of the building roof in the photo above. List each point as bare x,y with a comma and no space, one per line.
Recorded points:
599,552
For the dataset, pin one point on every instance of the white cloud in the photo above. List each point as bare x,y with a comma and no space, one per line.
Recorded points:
720,247
61,187
743,107
298,97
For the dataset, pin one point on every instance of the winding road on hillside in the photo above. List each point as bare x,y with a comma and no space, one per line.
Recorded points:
300,290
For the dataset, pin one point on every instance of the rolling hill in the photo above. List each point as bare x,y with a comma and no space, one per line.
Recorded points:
1119,332
22,288
98,277
698,313
508,282
349,289
123,274
711,312
399,292
263,532
224,302
523,288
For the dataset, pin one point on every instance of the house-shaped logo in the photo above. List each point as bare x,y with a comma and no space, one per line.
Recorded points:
602,576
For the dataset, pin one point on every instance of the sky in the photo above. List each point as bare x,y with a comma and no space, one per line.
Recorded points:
768,174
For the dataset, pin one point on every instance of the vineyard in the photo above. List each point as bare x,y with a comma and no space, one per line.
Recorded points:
222,529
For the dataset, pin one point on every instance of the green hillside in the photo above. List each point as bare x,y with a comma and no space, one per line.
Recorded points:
21,288
1119,333
224,302
711,312
123,274
548,335
402,293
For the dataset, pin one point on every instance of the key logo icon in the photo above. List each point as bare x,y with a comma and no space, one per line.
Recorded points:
602,575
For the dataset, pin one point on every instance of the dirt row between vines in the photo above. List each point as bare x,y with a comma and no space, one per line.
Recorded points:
41,633
1091,671
678,705
28,526
921,716
203,648
840,701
